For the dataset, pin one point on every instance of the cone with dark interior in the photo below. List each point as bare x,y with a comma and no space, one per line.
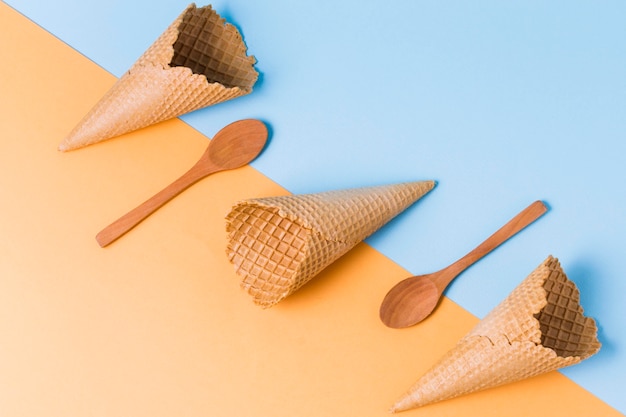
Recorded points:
198,61
538,328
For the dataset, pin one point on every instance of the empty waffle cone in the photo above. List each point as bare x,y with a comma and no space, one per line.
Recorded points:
198,61
538,328
278,244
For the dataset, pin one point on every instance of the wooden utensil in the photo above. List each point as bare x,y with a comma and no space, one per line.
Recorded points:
232,147
413,299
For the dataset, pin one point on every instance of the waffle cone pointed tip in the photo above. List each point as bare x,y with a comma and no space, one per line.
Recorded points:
540,327
277,244
403,404
63,147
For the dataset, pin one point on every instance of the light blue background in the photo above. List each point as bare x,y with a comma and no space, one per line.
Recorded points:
502,103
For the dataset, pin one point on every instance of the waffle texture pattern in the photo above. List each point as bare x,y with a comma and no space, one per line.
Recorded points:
538,328
277,244
198,61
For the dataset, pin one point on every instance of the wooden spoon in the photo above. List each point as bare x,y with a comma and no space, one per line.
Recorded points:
413,299
232,147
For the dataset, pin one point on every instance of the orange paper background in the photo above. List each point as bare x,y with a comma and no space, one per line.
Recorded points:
155,324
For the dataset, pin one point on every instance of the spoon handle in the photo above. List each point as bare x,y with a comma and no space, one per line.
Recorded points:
515,225
122,225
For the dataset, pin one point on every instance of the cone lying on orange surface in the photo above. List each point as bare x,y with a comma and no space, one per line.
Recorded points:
538,328
198,61
278,244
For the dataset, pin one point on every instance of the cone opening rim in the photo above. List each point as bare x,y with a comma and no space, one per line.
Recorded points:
545,319
206,15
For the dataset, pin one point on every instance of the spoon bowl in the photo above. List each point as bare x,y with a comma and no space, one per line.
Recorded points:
237,144
413,299
406,311
232,147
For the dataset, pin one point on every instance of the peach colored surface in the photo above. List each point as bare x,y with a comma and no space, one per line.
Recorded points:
155,324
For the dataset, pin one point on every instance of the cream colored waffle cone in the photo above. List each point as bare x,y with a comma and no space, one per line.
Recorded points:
278,244
198,61
538,328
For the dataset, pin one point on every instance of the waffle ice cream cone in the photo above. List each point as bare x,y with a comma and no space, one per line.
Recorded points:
278,244
538,328
198,61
